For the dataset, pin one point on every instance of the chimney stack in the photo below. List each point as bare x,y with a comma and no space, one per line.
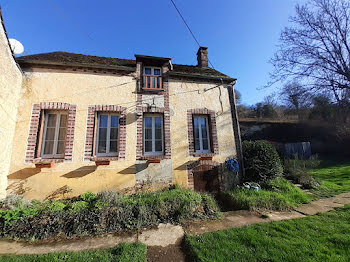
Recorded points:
202,57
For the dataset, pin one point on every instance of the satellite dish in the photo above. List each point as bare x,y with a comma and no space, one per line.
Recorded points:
16,46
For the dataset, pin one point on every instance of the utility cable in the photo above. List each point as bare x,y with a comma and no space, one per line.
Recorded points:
189,29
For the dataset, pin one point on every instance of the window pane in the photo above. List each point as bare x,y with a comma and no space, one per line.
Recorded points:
148,146
62,133
158,145
103,120
113,147
157,72
50,133
148,71
158,82
158,122
114,121
148,122
51,120
196,128
148,82
102,147
148,133
102,134
205,144
196,144
48,148
114,133
204,129
158,133
153,82
60,147
63,121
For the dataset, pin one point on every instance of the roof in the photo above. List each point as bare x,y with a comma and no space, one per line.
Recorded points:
72,59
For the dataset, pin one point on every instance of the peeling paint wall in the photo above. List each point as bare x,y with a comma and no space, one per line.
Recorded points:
10,85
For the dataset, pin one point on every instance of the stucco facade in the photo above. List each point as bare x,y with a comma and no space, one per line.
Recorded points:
10,86
85,87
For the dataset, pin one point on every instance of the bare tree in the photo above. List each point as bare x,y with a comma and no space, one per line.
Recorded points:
315,49
295,96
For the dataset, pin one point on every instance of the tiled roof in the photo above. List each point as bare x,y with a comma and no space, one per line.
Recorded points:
64,58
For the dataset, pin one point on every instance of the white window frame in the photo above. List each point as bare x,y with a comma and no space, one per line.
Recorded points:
153,153
108,135
200,134
57,129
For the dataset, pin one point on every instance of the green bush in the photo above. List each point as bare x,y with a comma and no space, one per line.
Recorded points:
261,161
88,197
78,206
55,206
8,217
277,194
109,197
79,217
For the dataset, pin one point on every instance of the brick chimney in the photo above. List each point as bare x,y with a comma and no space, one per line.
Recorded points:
202,57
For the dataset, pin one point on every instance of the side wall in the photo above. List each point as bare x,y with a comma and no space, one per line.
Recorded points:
10,86
185,96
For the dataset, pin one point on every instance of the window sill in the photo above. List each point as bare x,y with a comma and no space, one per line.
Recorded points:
153,159
202,155
153,90
45,165
42,160
104,158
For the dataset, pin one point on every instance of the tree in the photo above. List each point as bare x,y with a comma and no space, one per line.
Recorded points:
315,50
295,96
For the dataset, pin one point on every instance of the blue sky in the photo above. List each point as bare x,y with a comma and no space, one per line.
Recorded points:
241,35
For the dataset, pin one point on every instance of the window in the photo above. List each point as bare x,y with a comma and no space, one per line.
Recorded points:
153,135
55,130
107,135
152,78
201,134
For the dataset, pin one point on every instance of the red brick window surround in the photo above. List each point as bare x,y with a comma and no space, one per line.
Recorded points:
35,138
213,137
91,132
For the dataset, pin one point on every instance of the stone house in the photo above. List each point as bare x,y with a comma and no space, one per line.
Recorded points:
88,123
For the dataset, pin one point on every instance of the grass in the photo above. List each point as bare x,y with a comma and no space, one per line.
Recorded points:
278,195
324,237
125,252
334,179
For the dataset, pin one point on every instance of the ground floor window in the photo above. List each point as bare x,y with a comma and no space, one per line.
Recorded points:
201,134
153,135
107,134
54,137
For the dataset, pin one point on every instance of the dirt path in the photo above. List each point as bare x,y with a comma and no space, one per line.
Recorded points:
164,242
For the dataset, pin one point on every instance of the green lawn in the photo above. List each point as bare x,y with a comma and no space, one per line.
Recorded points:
324,237
279,194
123,253
334,178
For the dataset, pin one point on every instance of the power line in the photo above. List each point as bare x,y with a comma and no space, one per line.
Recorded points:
189,29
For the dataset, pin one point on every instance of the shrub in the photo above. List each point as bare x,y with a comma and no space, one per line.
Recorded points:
261,161
14,201
109,197
129,212
88,197
54,206
78,206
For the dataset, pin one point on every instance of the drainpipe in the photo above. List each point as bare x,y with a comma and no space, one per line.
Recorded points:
236,128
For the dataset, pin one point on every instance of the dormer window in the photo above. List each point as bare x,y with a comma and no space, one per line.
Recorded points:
152,78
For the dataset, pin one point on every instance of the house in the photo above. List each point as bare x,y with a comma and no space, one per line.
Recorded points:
89,123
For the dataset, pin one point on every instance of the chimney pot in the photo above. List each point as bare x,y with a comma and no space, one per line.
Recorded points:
202,57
